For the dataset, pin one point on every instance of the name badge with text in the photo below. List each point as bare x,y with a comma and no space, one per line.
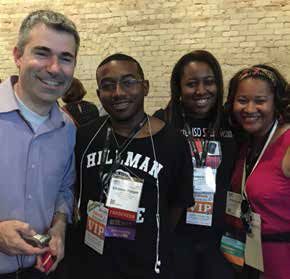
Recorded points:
96,224
204,180
233,206
201,212
124,193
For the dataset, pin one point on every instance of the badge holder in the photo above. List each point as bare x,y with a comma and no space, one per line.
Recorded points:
96,224
204,182
204,187
123,201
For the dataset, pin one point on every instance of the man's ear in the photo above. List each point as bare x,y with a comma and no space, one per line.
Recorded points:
17,54
146,87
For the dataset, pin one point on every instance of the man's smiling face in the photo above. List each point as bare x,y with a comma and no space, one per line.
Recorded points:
46,66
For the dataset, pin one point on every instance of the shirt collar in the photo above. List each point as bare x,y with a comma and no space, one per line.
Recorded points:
9,103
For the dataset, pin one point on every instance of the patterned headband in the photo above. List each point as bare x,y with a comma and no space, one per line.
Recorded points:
259,72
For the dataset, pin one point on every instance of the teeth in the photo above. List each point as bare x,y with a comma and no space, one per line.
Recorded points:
201,101
51,82
122,105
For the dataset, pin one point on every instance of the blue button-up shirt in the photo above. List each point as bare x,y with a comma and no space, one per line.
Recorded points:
37,171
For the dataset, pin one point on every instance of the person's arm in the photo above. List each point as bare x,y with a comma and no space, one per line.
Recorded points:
182,195
63,210
286,163
63,214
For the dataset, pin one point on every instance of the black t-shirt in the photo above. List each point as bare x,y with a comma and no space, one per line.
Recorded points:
199,128
173,167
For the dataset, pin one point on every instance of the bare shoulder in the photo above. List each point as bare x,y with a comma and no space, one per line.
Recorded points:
152,127
156,124
286,158
281,130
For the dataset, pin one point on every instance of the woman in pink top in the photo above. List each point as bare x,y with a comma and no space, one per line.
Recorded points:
259,106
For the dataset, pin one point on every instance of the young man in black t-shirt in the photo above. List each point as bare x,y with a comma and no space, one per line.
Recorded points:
121,158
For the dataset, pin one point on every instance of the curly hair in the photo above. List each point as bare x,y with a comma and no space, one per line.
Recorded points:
276,82
173,107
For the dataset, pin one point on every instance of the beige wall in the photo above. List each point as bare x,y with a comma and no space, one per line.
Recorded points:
158,32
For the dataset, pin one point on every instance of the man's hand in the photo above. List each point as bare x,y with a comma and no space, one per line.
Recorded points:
56,244
11,242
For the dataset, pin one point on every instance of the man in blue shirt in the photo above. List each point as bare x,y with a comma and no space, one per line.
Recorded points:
37,145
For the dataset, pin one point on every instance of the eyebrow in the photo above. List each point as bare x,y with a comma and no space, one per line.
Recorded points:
113,79
207,76
46,49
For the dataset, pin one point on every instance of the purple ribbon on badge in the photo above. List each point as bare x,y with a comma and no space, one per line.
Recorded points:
120,232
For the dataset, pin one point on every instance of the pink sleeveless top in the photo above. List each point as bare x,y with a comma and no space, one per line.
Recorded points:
268,191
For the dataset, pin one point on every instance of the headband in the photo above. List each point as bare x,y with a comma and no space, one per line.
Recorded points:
259,72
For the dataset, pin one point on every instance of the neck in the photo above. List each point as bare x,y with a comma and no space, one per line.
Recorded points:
39,108
262,137
197,116
125,127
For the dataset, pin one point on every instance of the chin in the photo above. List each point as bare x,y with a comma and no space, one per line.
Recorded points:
252,130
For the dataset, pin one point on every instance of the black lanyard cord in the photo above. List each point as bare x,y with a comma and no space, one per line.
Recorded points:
200,159
117,161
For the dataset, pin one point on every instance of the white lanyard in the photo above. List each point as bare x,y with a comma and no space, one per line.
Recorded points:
273,130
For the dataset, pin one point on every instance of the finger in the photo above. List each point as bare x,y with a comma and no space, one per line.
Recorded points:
27,249
55,264
57,247
24,228
38,264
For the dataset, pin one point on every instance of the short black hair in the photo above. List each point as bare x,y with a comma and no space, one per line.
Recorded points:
122,57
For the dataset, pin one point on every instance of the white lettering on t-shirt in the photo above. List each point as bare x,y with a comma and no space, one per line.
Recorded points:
132,161
156,168
144,166
91,159
140,216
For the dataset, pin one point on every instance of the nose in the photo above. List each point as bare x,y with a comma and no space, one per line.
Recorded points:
118,91
250,107
53,65
201,89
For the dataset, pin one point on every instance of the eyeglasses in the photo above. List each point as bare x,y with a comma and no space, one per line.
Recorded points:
126,84
246,216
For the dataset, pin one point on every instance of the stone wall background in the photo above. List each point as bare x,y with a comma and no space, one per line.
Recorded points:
157,33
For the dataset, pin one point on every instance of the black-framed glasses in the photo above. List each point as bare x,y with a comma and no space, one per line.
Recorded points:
246,216
126,84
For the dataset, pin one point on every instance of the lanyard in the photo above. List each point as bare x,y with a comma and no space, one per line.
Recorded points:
199,159
117,161
273,130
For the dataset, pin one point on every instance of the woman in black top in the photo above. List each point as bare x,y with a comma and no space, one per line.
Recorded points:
195,109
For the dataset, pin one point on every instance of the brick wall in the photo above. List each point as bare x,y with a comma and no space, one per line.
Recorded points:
157,33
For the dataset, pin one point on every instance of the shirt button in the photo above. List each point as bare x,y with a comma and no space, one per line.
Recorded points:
32,166
29,197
